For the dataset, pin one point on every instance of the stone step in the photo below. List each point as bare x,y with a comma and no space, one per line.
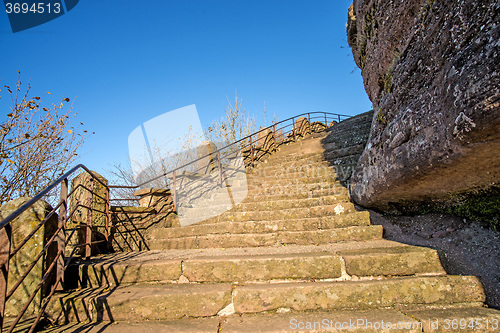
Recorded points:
260,227
364,321
295,189
346,151
305,171
360,127
346,140
143,302
346,234
381,320
294,159
269,205
338,208
260,182
337,190
222,266
359,295
183,325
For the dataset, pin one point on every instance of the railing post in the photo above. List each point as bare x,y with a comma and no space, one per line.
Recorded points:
309,122
174,196
5,239
251,150
275,141
294,131
107,221
339,118
326,121
88,228
61,238
220,168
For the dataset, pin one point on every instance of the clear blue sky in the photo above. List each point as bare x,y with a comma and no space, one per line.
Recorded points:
128,61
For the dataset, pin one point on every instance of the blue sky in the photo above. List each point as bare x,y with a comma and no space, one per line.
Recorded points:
128,61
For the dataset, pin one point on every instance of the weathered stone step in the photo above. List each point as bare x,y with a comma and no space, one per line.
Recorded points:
270,204
296,159
360,127
259,182
365,321
347,140
346,151
321,321
303,171
295,189
362,295
339,190
258,227
183,325
160,267
355,233
381,320
338,208
142,302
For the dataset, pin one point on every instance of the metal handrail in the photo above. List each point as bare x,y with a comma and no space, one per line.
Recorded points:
58,265
40,195
232,144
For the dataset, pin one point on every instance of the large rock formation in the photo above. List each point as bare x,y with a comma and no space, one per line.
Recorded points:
431,69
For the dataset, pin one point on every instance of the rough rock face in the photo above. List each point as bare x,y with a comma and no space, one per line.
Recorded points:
431,69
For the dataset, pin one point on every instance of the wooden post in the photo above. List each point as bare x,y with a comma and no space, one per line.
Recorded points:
5,239
88,229
326,121
61,238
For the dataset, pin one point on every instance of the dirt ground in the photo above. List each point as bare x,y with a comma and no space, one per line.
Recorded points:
465,247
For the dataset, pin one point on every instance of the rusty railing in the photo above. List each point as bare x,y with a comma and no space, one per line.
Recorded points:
59,239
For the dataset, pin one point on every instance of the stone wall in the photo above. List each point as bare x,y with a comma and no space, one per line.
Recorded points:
431,70
80,202
22,226
132,227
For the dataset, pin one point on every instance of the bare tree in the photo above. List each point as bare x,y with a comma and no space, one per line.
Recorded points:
235,125
37,144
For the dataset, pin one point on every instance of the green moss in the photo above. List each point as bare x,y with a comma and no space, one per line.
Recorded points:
362,52
385,83
382,118
478,205
482,205
370,20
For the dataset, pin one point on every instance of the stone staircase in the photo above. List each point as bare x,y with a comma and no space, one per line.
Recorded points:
294,256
